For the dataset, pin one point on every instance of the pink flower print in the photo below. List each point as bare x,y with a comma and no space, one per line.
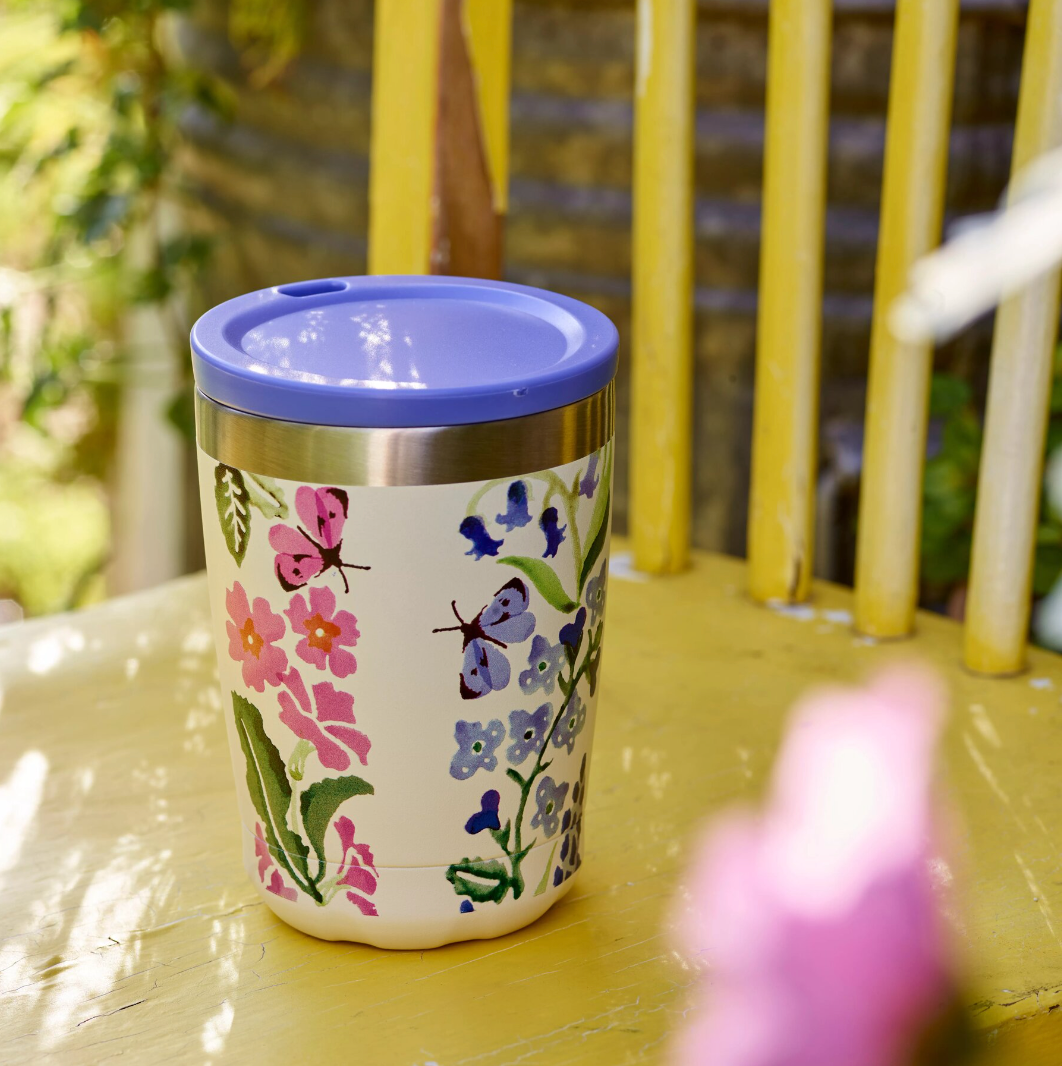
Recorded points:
251,636
265,860
360,871
278,888
261,850
329,719
324,632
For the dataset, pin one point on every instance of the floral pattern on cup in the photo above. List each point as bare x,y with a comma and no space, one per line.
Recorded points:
328,632
527,732
327,723
265,861
549,802
357,870
563,663
313,627
253,632
476,745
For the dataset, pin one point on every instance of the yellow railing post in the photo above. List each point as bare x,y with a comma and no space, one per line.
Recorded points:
1019,388
785,420
438,182
912,205
405,78
662,312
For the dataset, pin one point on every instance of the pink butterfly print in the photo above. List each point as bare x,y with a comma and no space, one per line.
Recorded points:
310,549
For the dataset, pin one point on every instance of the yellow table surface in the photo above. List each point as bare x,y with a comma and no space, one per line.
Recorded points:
128,930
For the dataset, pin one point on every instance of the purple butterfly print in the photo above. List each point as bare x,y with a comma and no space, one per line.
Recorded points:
303,555
504,621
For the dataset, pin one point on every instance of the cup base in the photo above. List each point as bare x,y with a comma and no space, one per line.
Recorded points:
416,907
412,933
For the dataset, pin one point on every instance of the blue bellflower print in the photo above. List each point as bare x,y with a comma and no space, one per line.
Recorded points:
475,748
571,724
549,800
572,633
516,514
487,816
595,594
527,732
590,478
466,906
554,532
545,662
475,529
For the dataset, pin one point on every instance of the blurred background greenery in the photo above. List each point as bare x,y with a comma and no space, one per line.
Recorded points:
97,277
157,156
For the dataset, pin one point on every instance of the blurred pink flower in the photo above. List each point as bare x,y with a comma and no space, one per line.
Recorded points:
818,916
324,631
329,719
251,636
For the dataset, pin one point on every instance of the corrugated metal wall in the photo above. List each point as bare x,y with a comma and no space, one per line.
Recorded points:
285,184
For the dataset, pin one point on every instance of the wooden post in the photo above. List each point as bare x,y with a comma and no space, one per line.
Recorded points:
785,419
662,312
438,183
1019,389
916,159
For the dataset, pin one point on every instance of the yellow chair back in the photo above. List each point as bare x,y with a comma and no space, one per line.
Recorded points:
437,200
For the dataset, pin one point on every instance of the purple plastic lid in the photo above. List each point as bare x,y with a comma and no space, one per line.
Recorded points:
401,351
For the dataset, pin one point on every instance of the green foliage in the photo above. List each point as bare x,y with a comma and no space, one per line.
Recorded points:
269,33
88,127
42,567
950,487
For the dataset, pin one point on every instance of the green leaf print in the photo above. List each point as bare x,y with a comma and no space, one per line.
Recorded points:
267,783
598,529
319,804
233,503
595,549
266,495
482,880
544,579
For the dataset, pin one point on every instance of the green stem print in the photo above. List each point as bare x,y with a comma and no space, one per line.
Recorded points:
543,808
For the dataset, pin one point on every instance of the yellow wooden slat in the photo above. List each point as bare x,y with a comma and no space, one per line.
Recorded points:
662,313
488,29
1008,491
916,158
402,143
785,422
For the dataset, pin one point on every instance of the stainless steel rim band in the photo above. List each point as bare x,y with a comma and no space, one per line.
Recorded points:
429,455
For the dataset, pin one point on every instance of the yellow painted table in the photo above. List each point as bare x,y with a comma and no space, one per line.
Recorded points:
128,930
